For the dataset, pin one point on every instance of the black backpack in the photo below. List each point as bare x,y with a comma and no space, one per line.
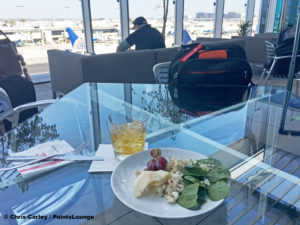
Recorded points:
208,77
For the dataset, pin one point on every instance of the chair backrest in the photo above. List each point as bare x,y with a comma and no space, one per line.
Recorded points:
6,111
5,104
270,47
161,72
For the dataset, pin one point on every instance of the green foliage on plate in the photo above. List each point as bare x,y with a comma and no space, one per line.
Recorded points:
205,177
218,173
218,190
195,170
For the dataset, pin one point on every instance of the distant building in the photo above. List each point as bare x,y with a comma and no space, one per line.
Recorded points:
232,15
204,15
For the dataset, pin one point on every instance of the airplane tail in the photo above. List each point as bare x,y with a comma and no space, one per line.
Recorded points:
73,37
186,37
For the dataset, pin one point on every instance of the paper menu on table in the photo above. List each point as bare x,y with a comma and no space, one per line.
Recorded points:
48,148
110,162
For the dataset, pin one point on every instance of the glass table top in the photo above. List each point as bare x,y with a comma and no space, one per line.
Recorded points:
237,125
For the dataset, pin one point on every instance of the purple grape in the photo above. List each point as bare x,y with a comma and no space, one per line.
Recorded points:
151,165
161,163
155,152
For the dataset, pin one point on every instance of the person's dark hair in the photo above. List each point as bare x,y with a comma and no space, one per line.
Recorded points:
139,21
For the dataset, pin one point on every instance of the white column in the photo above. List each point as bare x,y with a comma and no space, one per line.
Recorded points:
179,14
250,13
271,16
87,26
219,18
259,16
124,18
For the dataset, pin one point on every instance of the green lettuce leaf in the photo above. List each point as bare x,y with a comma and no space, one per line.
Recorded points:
189,197
196,180
220,172
218,190
194,170
210,161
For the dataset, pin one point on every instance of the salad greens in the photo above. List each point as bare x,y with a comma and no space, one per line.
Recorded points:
201,178
218,190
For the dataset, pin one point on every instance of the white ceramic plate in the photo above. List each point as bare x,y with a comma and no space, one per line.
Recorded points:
122,185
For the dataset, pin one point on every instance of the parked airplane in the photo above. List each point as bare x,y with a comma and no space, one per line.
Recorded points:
19,43
78,44
186,38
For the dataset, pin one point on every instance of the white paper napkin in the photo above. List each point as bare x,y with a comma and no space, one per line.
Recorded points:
110,162
48,148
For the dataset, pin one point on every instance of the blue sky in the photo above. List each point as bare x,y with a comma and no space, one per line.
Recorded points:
34,9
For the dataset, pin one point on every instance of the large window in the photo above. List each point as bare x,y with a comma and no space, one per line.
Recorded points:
199,18
38,26
106,25
234,13
153,11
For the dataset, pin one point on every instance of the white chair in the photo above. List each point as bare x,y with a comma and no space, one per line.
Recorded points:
161,72
270,72
12,114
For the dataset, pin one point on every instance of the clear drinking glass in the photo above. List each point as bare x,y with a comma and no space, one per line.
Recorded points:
127,131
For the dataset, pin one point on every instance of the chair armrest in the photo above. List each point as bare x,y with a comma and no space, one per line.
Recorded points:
30,105
13,115
285,57
161,72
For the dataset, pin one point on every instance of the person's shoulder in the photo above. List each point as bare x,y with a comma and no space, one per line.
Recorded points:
149,30
154,30
133,35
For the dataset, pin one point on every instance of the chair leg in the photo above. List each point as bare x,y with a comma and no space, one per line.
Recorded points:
261,77
54,96
270,72
258,89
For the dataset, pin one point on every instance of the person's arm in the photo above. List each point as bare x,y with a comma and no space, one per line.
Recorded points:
124,45
127,43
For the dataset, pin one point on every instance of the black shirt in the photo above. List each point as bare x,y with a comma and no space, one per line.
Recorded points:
146,37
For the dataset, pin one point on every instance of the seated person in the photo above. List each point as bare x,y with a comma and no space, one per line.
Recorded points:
144,37
20,91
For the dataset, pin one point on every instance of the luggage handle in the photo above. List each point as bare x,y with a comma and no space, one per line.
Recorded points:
192,52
